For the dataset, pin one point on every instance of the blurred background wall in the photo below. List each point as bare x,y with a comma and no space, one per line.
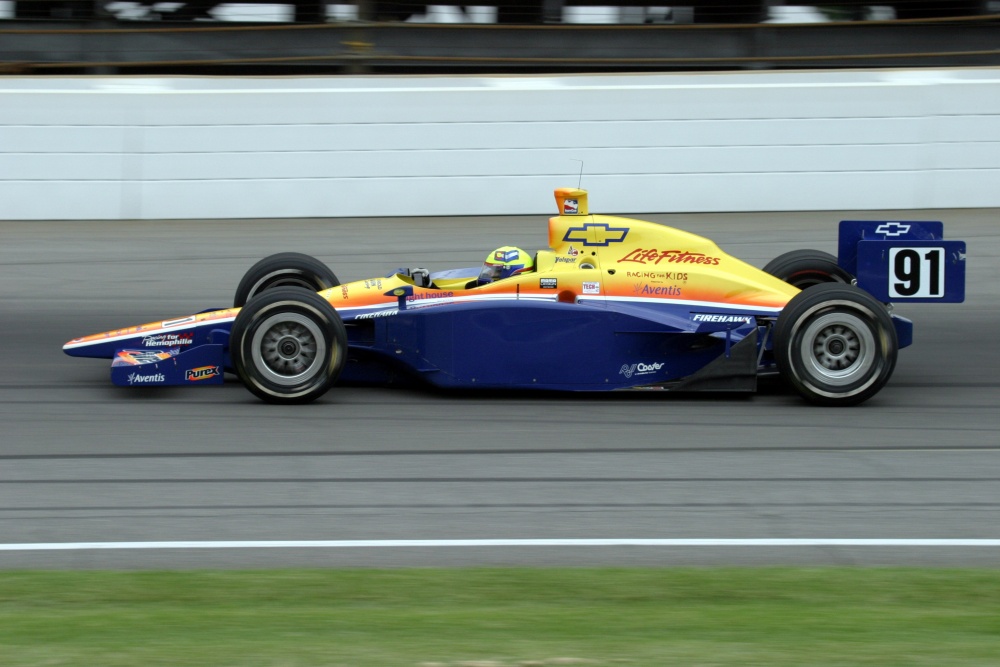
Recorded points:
162,148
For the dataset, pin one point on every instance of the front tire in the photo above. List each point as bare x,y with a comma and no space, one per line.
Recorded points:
285,269
288,345
835,344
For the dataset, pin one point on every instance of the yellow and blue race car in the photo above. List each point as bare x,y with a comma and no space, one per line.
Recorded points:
612,304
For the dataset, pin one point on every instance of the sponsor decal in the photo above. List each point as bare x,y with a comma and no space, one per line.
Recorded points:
892,229
377,313
591,287
596,234
152,378
572,252
136,357
176,323
202,373
506,255
571,206
430,295
548,283
343,291
565,260
168,340
716,317
374,283
658,275
653,256
639,369
641,289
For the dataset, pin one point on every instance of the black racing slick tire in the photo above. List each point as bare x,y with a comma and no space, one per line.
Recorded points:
804,268
285,269
835,344
288,345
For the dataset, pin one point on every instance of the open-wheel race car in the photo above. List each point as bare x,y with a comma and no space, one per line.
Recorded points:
612,304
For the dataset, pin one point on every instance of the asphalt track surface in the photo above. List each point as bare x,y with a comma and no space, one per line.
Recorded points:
82,461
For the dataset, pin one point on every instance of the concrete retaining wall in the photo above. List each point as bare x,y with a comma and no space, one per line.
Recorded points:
123,148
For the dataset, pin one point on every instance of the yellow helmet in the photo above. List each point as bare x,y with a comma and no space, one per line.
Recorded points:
503,263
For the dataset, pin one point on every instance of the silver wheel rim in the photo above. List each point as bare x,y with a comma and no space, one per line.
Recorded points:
838,348
289,349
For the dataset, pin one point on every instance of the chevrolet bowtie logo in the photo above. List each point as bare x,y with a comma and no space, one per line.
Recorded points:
892,229
596,233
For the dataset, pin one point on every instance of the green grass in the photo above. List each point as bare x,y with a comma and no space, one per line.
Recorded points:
502,617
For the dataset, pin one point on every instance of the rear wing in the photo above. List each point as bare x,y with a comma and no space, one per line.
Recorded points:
903,260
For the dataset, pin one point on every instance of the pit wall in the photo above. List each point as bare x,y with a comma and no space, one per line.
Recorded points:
163,147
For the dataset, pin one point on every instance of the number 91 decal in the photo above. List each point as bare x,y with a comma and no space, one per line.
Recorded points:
916,273
929,271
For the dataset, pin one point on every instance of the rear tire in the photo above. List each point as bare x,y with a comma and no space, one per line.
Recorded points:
285,269
288,345
836,345
805,268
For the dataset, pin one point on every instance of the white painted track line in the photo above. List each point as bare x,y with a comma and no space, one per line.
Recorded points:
404,544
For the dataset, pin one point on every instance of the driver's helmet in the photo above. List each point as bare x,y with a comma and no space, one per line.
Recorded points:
503,263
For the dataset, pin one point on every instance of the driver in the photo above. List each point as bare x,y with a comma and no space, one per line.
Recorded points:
503,263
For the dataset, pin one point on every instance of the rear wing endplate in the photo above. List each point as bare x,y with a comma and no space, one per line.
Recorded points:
903,260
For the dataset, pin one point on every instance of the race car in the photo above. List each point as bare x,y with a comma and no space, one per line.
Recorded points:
612,304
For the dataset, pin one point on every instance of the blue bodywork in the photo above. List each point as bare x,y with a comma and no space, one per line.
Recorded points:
547,345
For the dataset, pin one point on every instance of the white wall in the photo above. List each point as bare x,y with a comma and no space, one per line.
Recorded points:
121,148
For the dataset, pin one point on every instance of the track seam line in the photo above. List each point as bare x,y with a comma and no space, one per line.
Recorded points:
602,542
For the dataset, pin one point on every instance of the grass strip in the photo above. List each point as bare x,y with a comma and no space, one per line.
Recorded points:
502,617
